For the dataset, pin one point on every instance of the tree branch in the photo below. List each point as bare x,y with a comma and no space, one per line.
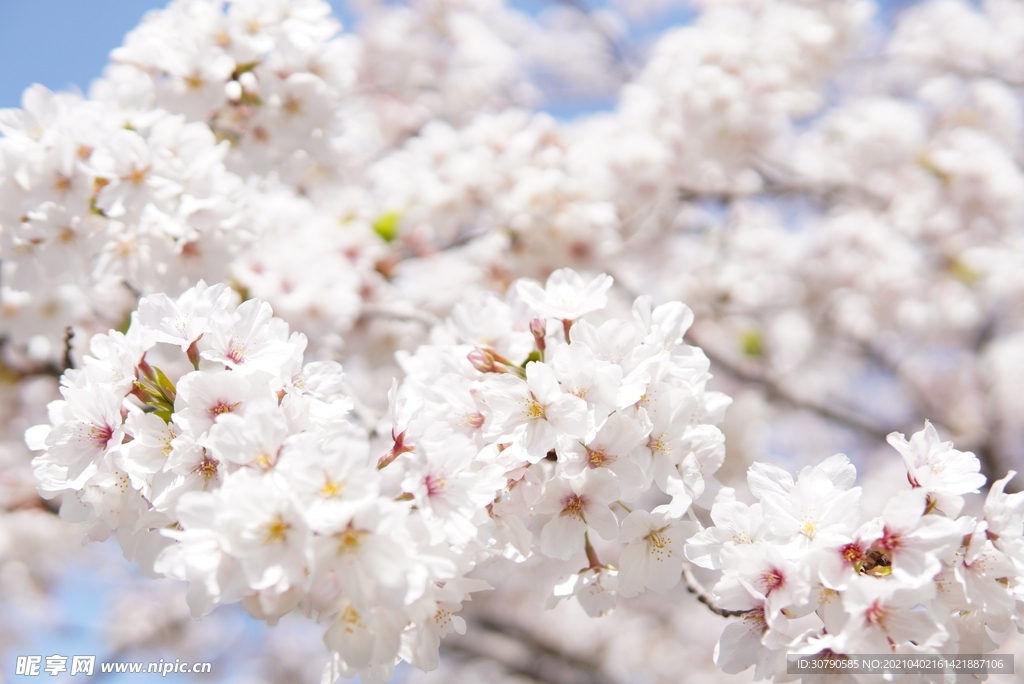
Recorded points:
777,391
987,450
694,586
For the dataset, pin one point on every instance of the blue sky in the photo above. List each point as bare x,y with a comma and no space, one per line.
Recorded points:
60,43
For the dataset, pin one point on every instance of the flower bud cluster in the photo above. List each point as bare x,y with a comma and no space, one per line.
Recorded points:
812,574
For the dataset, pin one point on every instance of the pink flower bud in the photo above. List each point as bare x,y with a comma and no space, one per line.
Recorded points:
482,360
538,328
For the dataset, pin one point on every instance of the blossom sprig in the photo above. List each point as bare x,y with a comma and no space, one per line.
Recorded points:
584,431
813,573
811,226
200,439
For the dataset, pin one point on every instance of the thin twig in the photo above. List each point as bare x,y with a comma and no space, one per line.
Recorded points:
987,450
407,315
704,596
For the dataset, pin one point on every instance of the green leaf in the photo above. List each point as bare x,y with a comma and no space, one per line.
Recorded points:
251,100
94,209
386,225
752,342
166,386
534,356
962,272
242,68
158,395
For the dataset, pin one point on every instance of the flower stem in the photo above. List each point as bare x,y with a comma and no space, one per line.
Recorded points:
595,562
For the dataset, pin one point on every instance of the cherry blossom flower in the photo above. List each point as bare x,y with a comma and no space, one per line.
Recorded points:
578,505
566,296
531,413
882,613
940,470
653,555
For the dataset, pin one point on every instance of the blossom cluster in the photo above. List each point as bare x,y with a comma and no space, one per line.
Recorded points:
840,204
811,572
268,77
598,430
301,99
201,440
98,203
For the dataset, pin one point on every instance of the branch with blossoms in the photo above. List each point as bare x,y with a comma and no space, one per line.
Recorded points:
379,192
818,577
523,434
219,458
694,586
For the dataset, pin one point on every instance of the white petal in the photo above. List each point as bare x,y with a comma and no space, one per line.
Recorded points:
633,568
562,537
601,518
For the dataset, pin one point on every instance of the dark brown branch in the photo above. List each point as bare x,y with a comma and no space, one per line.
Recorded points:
776,391
407,316
694,586
14,368
69,334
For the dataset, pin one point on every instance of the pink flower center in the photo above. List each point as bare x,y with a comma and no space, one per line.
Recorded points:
101,434
852,553
221,407
756,620
574,505
599,458
772,580
890,540
236,352
535,410
207,468
875,614
435,485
